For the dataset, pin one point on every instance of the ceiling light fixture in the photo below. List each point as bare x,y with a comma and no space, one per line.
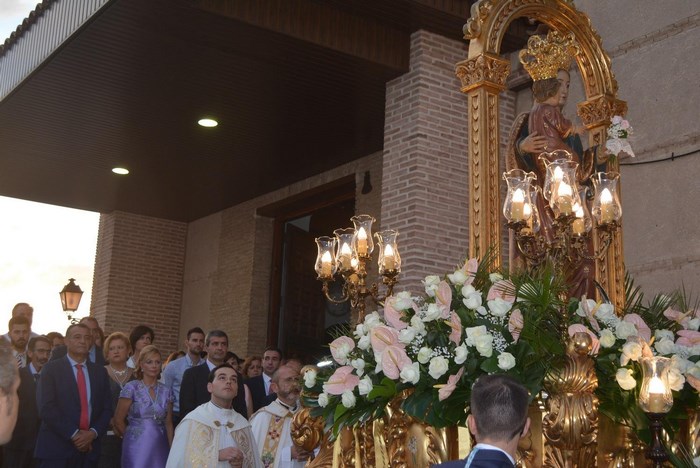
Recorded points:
120,170
207,122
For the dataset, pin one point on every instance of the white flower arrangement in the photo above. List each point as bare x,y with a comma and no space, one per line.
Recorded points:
618,134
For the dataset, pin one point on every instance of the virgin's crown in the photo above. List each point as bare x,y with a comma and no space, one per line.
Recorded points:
545,56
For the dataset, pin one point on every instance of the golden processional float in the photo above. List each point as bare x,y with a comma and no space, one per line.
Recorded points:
388,402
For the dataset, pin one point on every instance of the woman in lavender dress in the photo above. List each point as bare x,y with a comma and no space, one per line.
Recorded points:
147,406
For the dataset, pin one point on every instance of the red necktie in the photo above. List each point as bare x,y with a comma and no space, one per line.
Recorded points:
82,393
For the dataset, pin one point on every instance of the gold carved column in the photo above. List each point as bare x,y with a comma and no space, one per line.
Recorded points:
482,79
596,114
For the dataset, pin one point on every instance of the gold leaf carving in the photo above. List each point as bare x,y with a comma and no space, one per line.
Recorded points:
484,68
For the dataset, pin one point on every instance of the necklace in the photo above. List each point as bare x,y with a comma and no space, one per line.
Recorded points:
120,376
119,372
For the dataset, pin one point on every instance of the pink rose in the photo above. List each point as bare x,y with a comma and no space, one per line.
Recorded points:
383,336
456,324
393,360
451,385
342,379
638,322
503,289
516,322
393,316
443,297
578,328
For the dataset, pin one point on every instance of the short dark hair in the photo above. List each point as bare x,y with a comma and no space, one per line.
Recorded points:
215,334
499,406
73,325
8,368
89,318
225,365
231,354
19,320
275,349
194,330
31,346
137,332
53,335
19,305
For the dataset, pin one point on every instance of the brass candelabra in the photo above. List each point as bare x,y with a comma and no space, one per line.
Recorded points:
346,256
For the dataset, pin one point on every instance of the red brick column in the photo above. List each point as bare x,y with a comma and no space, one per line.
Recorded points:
138,275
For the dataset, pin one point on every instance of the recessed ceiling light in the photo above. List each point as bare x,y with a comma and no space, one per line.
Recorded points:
208,122
120,170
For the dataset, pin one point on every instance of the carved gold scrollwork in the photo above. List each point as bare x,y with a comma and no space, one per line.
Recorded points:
600,109
480,11
571,423
307,433
483,69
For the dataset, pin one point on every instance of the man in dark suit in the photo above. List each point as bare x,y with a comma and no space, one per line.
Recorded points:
9,382
193,389
498,420
75,406
260,386
19,452
95,354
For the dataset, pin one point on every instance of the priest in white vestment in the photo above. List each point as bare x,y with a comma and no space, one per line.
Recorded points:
214,435
272,424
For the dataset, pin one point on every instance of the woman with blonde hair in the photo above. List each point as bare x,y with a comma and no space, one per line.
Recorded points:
145,415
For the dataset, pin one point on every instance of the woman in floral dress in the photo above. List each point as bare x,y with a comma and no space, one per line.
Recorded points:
145,415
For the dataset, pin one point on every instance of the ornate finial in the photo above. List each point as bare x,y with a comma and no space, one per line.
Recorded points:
545,56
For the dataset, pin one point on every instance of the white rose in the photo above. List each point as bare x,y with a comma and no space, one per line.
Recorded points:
407,335
499,307
630,351
606,312
458,277
482,310
694,371
378,359
665,346
472,300
675,379
607,338
341,353
364,343
494,277
323,400
680,363
365,386
424,355
461,353
431,283
348,399
473,332
403,300
360,330
664,335
310,378
372,320
484,345
410,373
438,366
433,312
467,289
624,330
625,380
506,361
418,325
694,324
358,364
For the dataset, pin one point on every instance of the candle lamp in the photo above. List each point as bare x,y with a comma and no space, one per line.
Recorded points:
655,399
606,203
519,188
347,255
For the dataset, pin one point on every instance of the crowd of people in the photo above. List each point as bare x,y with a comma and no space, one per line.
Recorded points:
90,400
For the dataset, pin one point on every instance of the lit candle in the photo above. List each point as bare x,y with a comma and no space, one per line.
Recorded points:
345,256
362,242
564,200
657,389
517,205
607,212
389,259
326,265
578,226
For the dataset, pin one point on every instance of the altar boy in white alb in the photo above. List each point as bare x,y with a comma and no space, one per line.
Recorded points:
272,423
214,435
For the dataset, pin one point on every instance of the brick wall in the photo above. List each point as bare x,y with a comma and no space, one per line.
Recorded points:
424,188
138,275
